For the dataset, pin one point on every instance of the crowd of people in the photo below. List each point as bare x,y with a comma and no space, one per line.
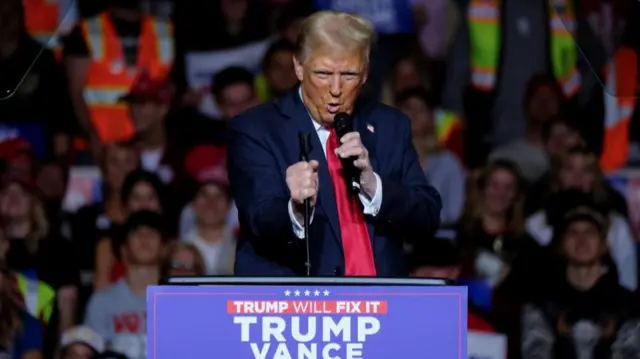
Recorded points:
518,143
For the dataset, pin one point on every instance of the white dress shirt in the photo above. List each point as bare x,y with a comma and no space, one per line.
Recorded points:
371,205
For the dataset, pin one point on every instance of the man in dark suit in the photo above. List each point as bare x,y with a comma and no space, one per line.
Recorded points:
359,235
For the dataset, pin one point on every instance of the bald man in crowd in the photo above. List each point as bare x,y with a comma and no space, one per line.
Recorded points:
351,233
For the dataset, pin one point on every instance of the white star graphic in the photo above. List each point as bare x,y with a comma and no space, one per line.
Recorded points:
287,293
316,293
326,293
306,293
297,293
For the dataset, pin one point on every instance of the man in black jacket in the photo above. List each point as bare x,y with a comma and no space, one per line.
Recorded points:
584,312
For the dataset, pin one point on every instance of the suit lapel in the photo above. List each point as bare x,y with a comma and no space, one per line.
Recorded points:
367,129
292,107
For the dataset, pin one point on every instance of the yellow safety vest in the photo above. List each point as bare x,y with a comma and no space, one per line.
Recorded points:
621,75
262,89
483,17
39,297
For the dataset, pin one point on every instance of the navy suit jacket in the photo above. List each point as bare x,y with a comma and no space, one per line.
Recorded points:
263,143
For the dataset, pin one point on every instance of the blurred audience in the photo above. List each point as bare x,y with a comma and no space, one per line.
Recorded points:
21,334
141,191
442,258
118,312
542,101
440,166
104,55
620,240
184,260
38,252
582,311
81,342
31,80
491,229
278,75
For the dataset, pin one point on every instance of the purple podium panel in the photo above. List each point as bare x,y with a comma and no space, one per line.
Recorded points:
306,321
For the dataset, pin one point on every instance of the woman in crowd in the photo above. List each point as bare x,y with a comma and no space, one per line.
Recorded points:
37,252
501,261
491,230
184,260
579,170
440,165
118,160
20,333
141,190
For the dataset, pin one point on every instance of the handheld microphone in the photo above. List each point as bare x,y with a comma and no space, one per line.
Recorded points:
305,148
343,124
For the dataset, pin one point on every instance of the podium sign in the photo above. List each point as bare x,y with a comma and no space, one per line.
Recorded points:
306,321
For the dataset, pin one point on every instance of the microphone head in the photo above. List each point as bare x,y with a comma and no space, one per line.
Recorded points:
342,123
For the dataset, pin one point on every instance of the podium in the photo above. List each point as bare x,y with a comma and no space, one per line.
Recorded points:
306,318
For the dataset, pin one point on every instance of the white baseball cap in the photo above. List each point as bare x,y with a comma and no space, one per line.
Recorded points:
84,335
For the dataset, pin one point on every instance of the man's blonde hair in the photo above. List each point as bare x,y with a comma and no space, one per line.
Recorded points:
335,30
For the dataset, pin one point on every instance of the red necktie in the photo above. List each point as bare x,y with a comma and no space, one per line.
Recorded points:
358,256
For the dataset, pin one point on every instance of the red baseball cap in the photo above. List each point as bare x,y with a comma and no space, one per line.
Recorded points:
12,149
145,88
208,163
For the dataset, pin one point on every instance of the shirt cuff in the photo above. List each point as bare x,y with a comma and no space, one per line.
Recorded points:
372,206
298,228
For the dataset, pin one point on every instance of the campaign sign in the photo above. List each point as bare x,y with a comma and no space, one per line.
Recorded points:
306,322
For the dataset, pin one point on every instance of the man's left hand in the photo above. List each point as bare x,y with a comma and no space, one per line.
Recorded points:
351,146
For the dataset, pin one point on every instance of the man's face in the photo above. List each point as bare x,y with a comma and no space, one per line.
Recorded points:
582,243
148,114
236,99
281,74
561,139
544,104
580,172
405,76
421,117
143,198
211,205
331,81
144,246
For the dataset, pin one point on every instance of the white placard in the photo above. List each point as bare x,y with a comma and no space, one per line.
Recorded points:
201,66
486,345
84,188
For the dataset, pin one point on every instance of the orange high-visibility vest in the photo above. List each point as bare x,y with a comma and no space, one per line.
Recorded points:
47,21
485,38
110,78
621,75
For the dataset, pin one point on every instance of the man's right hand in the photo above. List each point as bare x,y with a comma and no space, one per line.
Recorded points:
302,180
